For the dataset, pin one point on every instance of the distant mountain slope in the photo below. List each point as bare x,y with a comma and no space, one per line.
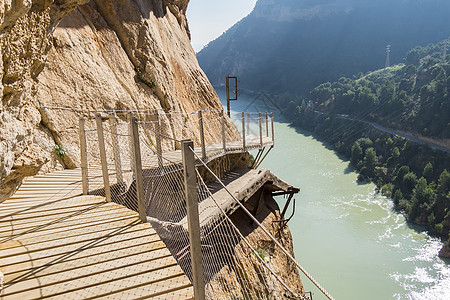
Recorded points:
294,45
414,98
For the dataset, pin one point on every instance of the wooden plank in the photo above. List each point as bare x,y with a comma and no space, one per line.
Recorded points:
11,255
81,216
119,279
95,275
99,254
173,288
32,210
49,231
71,240
58,231
38,237
34,219
185,292
145,252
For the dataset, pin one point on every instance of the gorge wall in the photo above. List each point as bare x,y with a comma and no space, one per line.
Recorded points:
99,55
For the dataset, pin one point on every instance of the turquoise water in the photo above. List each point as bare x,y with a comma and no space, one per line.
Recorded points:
345,234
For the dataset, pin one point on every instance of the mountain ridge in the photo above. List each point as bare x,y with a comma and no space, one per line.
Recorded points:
296,55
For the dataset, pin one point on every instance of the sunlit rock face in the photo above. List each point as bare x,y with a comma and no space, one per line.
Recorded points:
103,54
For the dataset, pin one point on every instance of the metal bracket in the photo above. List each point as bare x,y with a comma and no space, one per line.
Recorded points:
286,206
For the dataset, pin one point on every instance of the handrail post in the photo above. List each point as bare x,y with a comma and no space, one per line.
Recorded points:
158,140
273,136
116,148
243,130
202,134
248,122
138,165
130,143
190,182
83,150
104,162
267,124
260,130
224,140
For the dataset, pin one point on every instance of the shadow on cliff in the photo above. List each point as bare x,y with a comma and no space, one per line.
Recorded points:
101,13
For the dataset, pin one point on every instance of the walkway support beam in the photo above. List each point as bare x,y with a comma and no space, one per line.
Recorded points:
83,150
138,168
104,162
190,182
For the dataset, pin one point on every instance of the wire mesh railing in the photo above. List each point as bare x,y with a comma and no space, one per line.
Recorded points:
231,267
135,159
285,255
162,133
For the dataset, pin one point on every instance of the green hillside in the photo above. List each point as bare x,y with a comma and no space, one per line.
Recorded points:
412,97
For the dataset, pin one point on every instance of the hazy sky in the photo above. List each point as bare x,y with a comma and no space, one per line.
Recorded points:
208,19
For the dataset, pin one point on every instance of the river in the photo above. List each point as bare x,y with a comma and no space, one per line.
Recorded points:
345,234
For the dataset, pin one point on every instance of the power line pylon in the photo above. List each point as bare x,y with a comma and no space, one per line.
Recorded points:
388,54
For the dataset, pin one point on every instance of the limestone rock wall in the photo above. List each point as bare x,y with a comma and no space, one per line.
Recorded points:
25,38
268,213
105,54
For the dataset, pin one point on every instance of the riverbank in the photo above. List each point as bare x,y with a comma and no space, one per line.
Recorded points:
412,174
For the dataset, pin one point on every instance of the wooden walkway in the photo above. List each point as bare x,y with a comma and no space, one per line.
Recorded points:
215,151
56,243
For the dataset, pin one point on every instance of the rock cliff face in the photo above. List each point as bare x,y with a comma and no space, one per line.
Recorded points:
25,38
105,54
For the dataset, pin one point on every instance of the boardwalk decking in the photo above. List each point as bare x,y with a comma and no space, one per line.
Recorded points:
215,150
55,243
